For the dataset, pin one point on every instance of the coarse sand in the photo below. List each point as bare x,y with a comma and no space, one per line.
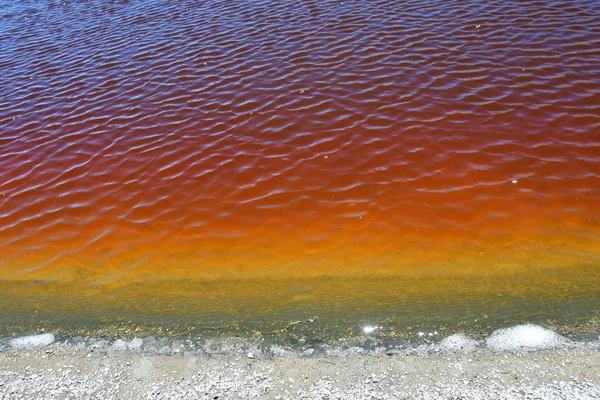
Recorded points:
70,372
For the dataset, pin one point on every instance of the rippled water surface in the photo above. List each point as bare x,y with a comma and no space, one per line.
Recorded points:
340,151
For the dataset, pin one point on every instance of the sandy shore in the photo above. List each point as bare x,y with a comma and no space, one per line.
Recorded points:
79,373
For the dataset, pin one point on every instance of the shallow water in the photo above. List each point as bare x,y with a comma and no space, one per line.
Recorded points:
151,149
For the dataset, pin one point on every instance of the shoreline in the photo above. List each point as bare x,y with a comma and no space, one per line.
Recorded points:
523,361
372,340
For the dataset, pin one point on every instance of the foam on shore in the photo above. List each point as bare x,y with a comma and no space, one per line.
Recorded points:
33,341
458,342
516,338
524,337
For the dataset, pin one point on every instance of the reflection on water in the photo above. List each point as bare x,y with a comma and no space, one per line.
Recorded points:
157,142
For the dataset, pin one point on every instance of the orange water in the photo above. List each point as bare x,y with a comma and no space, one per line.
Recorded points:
149,141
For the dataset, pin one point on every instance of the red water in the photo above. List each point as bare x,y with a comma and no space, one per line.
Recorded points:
202,140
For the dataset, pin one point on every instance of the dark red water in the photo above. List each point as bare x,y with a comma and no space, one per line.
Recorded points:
232,139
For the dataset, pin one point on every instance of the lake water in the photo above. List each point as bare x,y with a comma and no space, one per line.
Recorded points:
244,163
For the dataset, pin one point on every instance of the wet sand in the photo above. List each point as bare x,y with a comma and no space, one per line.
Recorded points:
71,372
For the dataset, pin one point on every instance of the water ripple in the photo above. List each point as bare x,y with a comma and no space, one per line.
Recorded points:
136,121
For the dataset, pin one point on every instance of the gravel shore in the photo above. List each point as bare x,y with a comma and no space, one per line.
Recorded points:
109,373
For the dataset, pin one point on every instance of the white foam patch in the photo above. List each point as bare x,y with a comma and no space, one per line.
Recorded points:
33,341
524,337
458,342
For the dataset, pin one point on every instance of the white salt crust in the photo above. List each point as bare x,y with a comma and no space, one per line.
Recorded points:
133,344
